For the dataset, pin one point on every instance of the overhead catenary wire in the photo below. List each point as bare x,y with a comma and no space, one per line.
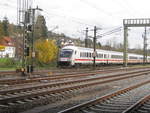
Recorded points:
94,6
7,5
97,8
74,19
130,7
125,6
110,32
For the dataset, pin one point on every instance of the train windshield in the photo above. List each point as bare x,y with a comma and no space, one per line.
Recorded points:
66,53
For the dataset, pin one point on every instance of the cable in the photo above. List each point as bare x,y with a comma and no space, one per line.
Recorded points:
97,8
110,32
125,6
77,20
7,5
129,7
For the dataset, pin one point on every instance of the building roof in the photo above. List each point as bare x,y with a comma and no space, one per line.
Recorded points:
7,41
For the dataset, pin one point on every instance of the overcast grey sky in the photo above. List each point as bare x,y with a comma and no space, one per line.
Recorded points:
73,16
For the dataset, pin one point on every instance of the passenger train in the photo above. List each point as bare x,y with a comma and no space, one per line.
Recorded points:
76,56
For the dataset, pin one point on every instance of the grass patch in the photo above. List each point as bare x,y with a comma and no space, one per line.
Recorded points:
7,68
43,66
8,64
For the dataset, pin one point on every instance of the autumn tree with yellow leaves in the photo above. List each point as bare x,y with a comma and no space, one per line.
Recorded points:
46,51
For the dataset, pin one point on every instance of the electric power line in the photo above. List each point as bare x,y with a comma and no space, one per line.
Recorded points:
74,19
97,8
110,32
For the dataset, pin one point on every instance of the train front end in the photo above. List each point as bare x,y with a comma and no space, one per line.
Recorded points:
65,57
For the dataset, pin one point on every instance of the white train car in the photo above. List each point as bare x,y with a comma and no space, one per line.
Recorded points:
73,55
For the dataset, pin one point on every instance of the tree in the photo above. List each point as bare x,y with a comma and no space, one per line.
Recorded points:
5,24
99,45
89,42
40,29
46,50
1,30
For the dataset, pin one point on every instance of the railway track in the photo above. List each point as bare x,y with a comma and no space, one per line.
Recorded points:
20,97
104,79
60,76
142,106
54,77
56,71
122,101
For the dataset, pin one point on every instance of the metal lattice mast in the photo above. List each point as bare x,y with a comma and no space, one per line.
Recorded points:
141,22
22,21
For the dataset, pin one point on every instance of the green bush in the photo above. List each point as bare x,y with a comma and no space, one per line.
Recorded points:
7,62
12,63
52,64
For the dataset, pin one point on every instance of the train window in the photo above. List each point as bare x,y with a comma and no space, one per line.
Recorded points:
96,55
141,57
66,53
80,54
75,52
100,55
117,56
84,54
132,57
105,56
90,55
108,56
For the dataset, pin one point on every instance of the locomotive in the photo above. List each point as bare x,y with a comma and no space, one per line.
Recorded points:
76,56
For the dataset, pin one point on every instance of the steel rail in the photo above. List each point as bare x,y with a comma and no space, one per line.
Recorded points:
137,105
103,98
13,98
38,79
115,76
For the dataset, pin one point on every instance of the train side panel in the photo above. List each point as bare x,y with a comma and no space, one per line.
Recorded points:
84,56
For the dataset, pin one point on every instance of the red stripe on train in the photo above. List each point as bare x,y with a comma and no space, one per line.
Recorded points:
105,60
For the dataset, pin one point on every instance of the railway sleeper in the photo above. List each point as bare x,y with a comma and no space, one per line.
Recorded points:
28,100
107,108
140,111
147,104
123,101
20,102
85,111
145,108
103,111
35,101
111,106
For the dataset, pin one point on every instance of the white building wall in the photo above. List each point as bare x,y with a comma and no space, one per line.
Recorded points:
8,52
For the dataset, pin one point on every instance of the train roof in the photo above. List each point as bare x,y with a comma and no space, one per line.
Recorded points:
89,49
